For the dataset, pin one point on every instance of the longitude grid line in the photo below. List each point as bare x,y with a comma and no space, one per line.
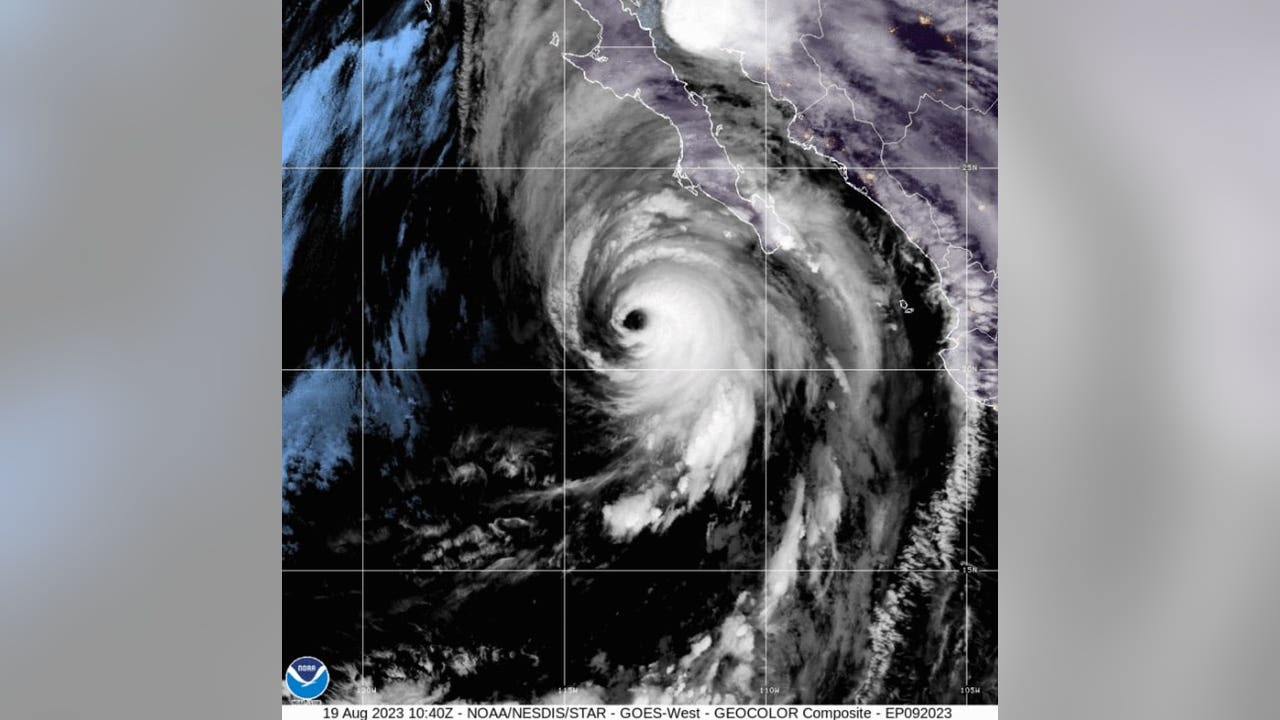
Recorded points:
765,249
364,366
968,377
564,355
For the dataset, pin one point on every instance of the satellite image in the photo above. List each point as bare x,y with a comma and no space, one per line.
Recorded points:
640,351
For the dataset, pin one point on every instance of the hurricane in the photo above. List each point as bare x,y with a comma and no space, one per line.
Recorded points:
635,395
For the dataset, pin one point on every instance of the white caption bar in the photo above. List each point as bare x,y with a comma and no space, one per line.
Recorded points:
640,712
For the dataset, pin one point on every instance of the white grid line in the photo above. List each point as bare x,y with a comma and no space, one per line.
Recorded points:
671,168
621,370
364,674
564,356
765,421
604,571
968,376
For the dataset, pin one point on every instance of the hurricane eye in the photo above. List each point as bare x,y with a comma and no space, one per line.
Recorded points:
635,320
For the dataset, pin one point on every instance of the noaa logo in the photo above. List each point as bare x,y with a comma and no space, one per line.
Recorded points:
307,678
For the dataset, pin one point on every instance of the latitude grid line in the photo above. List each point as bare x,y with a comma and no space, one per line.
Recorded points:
606,571
993,370
626,369
607,168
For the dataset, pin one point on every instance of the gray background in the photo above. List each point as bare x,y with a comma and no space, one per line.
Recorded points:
139,342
